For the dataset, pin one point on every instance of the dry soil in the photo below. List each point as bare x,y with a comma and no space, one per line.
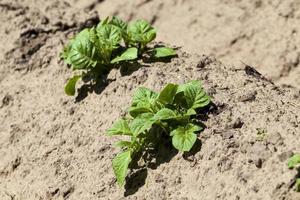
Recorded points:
53,146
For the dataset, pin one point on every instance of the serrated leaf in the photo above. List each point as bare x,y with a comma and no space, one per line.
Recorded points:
194,95
120,127
162,52
294,161
70,87
183,138
83,53
120,166
143,96
141,32
165,114
128,54
167,95
141,123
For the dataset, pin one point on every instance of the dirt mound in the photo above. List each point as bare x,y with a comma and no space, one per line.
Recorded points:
53,146
264,34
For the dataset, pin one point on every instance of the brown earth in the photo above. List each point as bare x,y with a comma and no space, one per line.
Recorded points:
53,146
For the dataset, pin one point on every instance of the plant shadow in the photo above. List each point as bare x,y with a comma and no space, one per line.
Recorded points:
98,86
152,59
89,87
135,181
293,183
153,159
164,154
127,69
195,149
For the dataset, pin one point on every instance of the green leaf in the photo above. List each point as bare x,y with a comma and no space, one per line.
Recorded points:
109,38
165,114
104,22
194,95
140,32
184,137
162,52
182,88
93,37
190,112
128,54
122,26
297,184
71,85
123,144
167,95
116,21
120,127
294,161
83,53
179,99
109,35
141,123
65,54
120,166
144,95
135,111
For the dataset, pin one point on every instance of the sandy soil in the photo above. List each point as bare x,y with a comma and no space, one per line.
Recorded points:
261,33
53,146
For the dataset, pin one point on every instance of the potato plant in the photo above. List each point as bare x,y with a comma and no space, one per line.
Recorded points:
293,162
171,113
94,51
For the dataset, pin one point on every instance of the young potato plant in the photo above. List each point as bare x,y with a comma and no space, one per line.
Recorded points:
153,117
94,51
293,162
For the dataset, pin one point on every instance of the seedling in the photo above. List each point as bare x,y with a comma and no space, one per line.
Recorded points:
293,162
155,116
95,51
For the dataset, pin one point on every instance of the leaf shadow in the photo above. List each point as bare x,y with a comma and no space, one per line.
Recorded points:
294,180
90,87
135,181
153,159
151,59
163,60
195,149
164,154
98,85
127,69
